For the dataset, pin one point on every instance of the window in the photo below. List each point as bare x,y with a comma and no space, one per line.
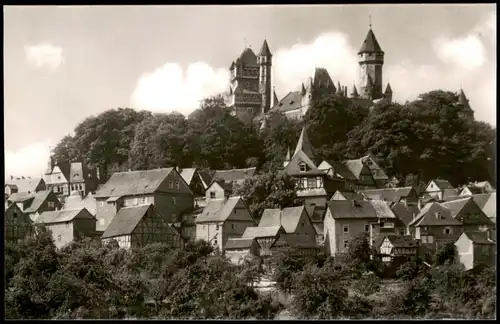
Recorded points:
367,228
101,203
302,224
171,185
426,228
430,239
424,239
212,194
173,201
401,231
51,204
215,242
302,167
447,231
346,244
59,238
177,185
250,110
232,226
311,183
346,229
304,183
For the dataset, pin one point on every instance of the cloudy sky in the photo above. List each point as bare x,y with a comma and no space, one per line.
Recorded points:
63,64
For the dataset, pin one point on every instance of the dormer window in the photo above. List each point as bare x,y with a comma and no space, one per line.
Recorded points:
76,175
303,167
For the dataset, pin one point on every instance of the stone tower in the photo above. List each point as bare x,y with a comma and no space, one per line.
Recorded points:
265,63
371,60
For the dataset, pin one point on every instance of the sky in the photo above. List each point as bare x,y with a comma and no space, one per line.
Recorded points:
65,63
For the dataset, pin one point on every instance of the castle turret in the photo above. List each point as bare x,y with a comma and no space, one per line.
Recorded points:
339,89
388,93
275,98
371,60
303,90
463,103
287,158
265,62
304,145
354,93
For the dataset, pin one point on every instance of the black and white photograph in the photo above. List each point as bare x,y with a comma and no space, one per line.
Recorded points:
250,162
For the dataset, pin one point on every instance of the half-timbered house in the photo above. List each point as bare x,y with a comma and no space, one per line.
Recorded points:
17,224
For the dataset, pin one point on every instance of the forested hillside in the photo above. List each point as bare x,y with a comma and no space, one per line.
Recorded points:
416,141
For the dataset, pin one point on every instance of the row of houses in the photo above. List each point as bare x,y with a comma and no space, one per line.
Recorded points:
336,202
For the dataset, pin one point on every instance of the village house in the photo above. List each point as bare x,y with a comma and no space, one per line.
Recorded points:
17,224
347,195
36,203
312,183
407,195
237,176
68,225
196,182
434,226
405,214
467,212
188,223
397,249
295,220
301,243
345,220
488,204
440,189
76,201
65,177
475,188
218,189
139,225
237,249
475,249
265,237
223,219
164,188
24,184
317,216
357,167
340,175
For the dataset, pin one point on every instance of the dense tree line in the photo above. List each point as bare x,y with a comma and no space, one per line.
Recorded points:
92,280
415,142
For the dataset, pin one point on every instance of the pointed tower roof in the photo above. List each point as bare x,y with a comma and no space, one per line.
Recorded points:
388,89
232,65
264,51
370,45
288,157
304,145
275,97
354,93
339,88
303,89
264,124
345,91
462,100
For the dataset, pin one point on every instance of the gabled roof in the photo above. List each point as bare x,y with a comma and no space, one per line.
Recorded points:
206,177
239,243
292,101
264,50
24,185
234,174
370,45
287,217
316,213
405,213
355,166
38,199
349,195
20,197
218,210
261,231
75,201
462,99
388,194
456,206
188,174
359,209
388,89
133,183
473,189
295,240
304,145
482,199
321,78
478,237
435,214
340,170
226,186
402,241
60,216
447,193
442,184
126,220
490,207
275,98
293,167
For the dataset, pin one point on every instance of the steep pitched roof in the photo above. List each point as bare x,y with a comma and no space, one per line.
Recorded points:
264,50
456,206
275,98
206,177
443,184
295,240
354,92
478,237
59,216
24,185
355,166
20,197
349,195
76,201
316,213
234,174
404,212
321,78
434,214
388,194
490,207
402,240
188,174
239,243
38,199
292,101
462,99
304,145
473,189
293,168
218,210
261,231
133,183
482,199
370,45
287,217
340,170
126,220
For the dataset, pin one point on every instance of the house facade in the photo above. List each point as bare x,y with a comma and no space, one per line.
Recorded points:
265,237
68,225
24,184
399,248
237,249
164,188
436,188
36,203
218,189
406,195
17,224
476,248
194,180
140,225
223,219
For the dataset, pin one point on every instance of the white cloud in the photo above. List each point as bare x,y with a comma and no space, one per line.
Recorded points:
466,52
28,161
331,51
169,88
44,56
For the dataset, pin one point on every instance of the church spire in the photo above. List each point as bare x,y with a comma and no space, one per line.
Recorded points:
303,144
370,45
303,90
275,97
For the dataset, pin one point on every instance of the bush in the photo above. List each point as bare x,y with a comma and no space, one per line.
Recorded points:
413,300
368,284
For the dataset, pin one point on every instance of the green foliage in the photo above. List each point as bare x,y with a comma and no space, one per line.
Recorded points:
368,284
268,190
447,253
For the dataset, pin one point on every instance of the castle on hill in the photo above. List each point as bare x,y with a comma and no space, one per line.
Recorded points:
252,98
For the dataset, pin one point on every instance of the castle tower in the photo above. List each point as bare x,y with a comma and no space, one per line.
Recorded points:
371,60
463,103
265,63
354,93
388,93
